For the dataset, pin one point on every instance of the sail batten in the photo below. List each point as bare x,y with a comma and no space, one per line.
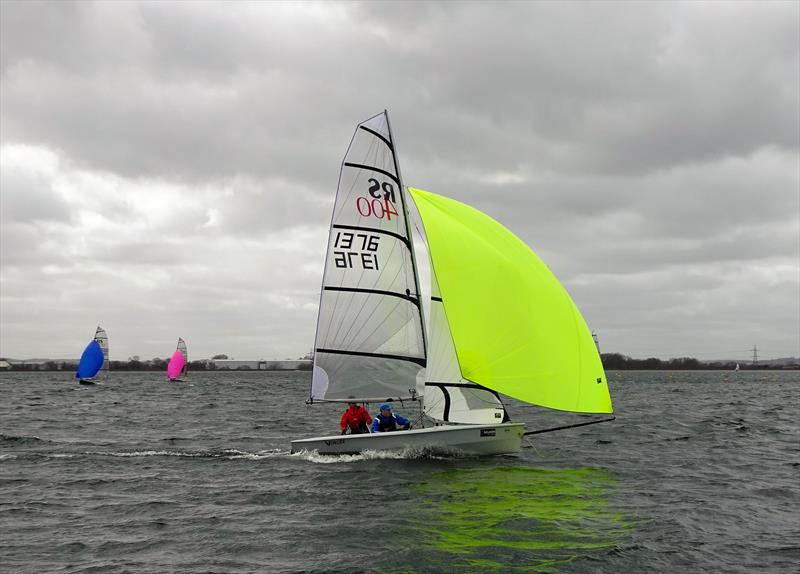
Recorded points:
514,328
417,360
375,169
377,135
405,296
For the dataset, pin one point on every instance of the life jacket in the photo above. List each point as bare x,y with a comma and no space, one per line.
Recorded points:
386,424
357,421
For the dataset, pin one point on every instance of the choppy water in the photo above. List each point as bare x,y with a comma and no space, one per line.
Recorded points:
700,472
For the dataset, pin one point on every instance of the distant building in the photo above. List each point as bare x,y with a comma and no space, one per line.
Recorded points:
4,365
262,365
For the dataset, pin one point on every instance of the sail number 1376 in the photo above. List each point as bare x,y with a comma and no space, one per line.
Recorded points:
356,250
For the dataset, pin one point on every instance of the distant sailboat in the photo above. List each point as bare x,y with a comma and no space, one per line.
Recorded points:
94,360
737,367
179,363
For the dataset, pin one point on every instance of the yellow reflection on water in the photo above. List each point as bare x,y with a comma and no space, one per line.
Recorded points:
517,519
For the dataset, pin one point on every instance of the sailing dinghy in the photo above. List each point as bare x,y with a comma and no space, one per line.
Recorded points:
500,322
178,365
93,364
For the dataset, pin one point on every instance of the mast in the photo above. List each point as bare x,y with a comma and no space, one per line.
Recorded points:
408,231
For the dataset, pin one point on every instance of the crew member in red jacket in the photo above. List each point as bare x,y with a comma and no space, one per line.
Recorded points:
356,418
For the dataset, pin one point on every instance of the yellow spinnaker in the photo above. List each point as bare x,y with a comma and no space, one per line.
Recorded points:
515,328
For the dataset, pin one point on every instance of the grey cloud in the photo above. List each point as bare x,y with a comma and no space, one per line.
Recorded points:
28,197
648,153
226,90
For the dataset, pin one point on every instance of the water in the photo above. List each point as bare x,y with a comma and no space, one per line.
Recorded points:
698,473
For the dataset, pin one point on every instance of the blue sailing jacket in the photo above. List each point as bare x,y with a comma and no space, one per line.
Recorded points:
383,424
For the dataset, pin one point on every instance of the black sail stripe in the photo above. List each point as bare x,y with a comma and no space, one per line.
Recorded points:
475,386
460,385
374,230
418,360
373,168
379,136
405,296
439,299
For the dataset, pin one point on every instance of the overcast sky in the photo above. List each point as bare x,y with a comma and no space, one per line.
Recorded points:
169,168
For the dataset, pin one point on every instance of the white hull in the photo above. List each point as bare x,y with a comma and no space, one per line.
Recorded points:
500,438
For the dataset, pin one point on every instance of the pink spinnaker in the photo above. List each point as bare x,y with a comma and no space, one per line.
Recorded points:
175,365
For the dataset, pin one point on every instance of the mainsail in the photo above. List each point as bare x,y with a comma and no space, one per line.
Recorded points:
102,340
370,342
185,352
515,329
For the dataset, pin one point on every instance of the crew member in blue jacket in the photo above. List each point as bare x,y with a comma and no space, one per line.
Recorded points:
387,421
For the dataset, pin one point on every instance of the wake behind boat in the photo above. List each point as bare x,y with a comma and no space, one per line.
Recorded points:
93,364
500,320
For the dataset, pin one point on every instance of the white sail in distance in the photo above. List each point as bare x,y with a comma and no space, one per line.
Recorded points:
102,339
184,351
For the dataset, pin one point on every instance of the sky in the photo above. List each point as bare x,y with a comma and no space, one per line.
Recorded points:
169,168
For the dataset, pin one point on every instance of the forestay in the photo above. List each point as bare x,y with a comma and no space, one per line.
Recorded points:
369,342
514,328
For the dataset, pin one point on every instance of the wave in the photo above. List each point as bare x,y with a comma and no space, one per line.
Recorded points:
409,453
227,453
14,439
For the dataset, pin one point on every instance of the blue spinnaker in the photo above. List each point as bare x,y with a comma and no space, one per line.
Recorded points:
91,361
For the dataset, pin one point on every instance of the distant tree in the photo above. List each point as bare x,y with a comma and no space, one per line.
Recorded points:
614,361
200,365
652,363
221,357
684,363
157,363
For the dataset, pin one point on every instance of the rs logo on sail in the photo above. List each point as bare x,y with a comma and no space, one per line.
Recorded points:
378,206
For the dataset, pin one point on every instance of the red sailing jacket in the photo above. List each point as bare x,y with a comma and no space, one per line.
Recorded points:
355,417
